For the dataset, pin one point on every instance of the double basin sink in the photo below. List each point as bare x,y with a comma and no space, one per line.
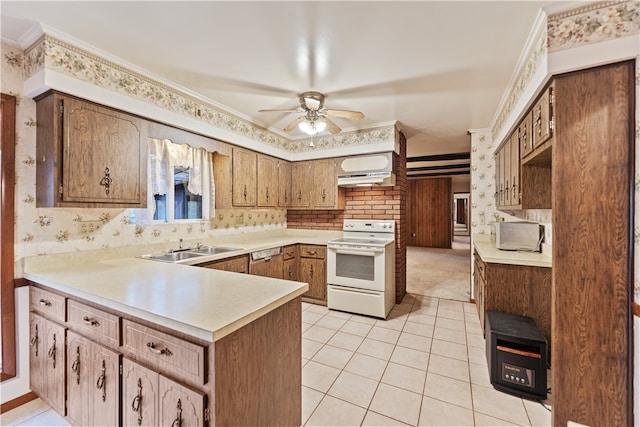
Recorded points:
184,254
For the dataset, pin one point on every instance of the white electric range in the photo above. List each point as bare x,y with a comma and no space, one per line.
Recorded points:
361,268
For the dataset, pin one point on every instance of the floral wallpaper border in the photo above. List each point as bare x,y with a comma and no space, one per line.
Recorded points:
593,23
49,53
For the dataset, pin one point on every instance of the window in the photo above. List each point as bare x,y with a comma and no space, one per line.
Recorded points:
181,185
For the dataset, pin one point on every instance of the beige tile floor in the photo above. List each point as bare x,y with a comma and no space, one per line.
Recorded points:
424,366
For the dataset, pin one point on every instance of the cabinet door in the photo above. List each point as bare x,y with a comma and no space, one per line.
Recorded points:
290,269
542,119
313,272
139,395
284,184
244,178
506,167
324,184
179,406
525,134
267,181
105,377
515,170
37,353
496,161
54,371
79,379
300,177
102,155
237,264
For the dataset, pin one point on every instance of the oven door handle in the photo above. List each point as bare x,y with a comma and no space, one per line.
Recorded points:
353,290
365,252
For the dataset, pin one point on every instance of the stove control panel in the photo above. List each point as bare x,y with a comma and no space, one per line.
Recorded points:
372,226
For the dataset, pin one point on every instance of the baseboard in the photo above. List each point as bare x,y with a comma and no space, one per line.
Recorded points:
18,401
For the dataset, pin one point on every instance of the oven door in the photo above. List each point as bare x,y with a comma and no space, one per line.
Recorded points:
361,268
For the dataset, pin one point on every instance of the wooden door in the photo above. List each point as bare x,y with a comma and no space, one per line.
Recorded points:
284,184
300,177
139,395
290,269
54,371
244,177
324,186
102,154
37,353
179,405
105,376
79,379
313,272
430,212
267,181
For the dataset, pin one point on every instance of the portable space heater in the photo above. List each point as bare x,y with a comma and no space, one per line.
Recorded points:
516,354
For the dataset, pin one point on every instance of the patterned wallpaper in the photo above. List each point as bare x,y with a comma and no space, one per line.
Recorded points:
55,230
590,24
49,53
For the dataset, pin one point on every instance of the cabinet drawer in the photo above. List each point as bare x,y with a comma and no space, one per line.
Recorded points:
289,252
162,352
47,303
95,324
313,251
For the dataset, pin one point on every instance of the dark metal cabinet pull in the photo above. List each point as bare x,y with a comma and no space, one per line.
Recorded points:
52,351
106,181
178,421
244,193
101,382
90,322
45,302
152,348
34,340
135,405
75,366
311,271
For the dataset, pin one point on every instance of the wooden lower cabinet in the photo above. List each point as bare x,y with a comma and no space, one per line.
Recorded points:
516,289
47,361
313,270
93,382
149,398
268,267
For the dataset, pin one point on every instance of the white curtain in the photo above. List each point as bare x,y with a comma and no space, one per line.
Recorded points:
164,155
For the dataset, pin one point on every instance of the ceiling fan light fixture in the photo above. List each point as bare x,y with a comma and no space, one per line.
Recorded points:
311,128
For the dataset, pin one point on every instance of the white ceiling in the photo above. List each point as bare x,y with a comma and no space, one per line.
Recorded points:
438,68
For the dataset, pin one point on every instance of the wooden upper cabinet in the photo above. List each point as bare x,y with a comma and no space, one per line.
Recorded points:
515,170
244,177
300,177
542,117
88,155
325,185
267,181
284,184
525,134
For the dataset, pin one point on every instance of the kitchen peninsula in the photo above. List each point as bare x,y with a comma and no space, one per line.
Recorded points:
201,345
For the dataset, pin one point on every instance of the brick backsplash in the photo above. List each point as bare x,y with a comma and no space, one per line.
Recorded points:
368,203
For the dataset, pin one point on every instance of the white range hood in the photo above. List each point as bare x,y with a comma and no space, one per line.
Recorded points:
363,179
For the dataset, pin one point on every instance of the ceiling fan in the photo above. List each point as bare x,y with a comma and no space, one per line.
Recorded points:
316,117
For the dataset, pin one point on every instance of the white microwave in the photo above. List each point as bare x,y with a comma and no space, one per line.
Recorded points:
518,236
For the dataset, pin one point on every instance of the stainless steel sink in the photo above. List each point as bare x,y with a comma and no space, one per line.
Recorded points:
172,256
212,250
184,254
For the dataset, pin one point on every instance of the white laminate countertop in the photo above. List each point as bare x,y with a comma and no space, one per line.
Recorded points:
489,253
204,303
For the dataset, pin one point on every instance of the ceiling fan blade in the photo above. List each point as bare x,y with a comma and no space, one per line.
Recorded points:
333,128
293,124
345,114
282,110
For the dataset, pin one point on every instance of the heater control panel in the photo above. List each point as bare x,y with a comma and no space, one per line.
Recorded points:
518,375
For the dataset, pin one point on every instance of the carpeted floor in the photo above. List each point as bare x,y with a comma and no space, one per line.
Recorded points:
442,273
